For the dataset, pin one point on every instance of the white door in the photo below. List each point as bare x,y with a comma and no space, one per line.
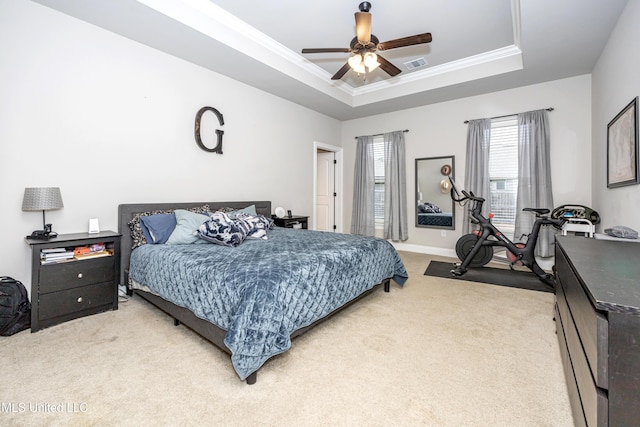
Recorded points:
325,190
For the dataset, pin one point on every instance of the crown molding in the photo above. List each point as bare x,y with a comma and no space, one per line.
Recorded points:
211,20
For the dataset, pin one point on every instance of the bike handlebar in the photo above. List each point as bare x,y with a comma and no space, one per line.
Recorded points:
557,222
455,194
467,195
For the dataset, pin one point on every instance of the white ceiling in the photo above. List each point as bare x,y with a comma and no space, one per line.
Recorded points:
478,46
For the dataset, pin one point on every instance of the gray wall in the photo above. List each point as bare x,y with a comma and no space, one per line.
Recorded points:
111,121
615,83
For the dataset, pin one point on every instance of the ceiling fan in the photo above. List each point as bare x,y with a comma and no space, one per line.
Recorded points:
364,45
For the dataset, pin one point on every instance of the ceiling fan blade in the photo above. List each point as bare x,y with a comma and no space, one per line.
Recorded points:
388,67
363,27
406,41
327,50
341,72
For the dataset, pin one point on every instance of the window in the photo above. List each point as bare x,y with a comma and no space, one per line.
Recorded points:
503,173
378,167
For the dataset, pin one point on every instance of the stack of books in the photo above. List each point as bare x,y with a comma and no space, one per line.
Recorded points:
53,255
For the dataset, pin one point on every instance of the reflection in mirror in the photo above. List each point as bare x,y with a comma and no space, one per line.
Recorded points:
434,206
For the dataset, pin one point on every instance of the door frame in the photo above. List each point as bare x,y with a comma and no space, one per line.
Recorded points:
338,182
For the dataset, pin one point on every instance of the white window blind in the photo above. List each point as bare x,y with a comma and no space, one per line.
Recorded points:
378,158
503,173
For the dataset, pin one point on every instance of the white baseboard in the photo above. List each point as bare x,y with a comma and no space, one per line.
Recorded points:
545,263
429,250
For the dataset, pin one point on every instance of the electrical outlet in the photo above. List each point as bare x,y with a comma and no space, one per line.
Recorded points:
443,233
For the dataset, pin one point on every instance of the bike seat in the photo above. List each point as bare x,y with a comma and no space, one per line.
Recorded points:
539,211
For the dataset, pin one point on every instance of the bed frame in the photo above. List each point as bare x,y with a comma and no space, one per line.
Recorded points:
182,315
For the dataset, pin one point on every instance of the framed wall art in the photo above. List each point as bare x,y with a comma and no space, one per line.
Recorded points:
622,147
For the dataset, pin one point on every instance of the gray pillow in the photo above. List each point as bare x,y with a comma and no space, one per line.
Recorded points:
187,224
622,231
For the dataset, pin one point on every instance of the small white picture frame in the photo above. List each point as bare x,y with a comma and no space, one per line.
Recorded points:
94,226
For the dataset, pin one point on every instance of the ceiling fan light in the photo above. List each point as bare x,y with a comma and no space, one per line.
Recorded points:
371,61
356,63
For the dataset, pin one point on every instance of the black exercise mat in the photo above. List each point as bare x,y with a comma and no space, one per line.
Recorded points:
493,276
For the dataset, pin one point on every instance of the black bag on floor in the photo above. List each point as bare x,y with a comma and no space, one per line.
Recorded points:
15,308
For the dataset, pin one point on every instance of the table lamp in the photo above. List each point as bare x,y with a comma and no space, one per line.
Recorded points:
42,199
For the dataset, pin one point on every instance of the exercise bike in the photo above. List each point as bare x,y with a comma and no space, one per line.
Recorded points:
476,249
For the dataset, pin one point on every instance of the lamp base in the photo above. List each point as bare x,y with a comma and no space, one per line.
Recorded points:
42,235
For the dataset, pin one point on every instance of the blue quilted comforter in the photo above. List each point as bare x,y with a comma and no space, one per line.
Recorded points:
263,290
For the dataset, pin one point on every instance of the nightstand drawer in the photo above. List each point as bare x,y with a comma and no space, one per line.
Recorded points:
74,300
72,274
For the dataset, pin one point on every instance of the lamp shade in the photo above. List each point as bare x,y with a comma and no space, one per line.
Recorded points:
42,199
370,60
364,63
356,64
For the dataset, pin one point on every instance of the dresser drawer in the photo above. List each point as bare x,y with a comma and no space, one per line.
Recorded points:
594,400
69,275
78,299
591,325
572,386
561,302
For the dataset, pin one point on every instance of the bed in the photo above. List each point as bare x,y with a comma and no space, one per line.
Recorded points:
442,219
252,299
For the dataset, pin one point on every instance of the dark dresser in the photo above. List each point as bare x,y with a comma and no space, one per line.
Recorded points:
598,326
65,290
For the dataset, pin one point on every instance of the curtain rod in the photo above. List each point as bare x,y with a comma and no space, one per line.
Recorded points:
380,134
509,115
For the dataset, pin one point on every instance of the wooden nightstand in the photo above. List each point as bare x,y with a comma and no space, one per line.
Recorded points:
292,221
65,290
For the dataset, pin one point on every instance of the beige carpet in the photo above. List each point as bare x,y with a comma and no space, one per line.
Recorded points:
437,352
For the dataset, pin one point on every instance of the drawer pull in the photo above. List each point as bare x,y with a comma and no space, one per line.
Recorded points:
79,275
79,299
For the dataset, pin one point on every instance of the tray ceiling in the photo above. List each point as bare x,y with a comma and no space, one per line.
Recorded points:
478,47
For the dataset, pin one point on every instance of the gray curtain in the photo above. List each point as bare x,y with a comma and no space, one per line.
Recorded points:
534,177
395,187
476,177
363,215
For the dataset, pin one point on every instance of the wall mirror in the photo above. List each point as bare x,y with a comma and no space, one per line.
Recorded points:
434,207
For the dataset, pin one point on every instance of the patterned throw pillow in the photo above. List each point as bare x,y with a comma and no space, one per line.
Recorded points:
428,208
222,230
136,231
255,226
